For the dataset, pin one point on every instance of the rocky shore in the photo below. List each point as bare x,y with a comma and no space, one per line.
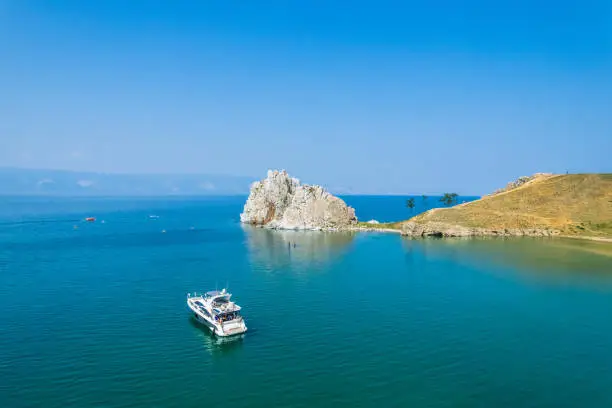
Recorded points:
439,229
281,202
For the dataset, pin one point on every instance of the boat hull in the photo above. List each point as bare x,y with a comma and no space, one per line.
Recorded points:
203,321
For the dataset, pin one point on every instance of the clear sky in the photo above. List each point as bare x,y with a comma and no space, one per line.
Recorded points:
368,96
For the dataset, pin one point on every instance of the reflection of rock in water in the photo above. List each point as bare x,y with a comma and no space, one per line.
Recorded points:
275,248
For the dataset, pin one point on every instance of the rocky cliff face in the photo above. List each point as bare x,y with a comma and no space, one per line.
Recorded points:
282,202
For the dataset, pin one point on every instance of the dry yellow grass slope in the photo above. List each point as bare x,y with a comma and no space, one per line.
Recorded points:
574,204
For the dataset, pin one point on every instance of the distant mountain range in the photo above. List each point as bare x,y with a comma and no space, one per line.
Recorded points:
16,181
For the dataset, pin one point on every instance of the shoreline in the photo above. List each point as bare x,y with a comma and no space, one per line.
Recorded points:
414,236
374,229
586,238
403,234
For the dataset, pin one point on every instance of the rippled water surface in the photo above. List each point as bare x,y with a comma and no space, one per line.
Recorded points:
94,314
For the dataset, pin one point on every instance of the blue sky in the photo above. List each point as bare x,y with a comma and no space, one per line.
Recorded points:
362,96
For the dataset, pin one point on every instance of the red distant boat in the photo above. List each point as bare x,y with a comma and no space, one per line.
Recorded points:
90,219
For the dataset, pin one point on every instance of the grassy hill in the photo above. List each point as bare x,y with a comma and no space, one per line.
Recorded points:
573,205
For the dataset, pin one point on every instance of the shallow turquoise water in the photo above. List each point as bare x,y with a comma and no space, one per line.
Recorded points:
96,316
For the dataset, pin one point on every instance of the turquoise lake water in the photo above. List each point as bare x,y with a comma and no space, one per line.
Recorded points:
96,315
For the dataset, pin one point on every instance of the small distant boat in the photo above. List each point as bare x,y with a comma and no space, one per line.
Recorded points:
154,216
217,312
90,219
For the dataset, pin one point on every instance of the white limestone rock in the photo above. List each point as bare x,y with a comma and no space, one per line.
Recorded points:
282,202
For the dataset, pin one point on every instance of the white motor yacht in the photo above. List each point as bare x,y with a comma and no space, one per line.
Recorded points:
218,312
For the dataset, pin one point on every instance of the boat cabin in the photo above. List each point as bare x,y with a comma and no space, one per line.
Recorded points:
222,308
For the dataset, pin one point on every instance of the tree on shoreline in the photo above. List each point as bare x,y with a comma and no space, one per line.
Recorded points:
449,199
410,204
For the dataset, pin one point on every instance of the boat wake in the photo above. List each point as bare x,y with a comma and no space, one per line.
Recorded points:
215,343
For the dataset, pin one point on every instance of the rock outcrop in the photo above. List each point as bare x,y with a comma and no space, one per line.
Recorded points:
440,229
282,202
522,181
